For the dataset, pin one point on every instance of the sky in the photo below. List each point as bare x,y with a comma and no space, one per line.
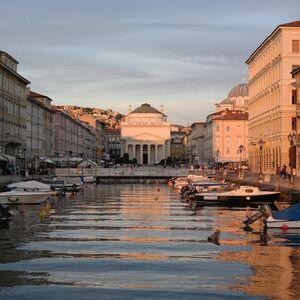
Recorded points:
183,54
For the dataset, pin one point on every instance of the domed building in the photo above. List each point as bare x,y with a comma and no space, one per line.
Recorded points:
227,128
239,95
237,99
145,135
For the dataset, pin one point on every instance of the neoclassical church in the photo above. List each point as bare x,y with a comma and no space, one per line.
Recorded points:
145,135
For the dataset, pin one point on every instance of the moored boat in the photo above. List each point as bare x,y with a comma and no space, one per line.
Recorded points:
284,219
241,196
23,197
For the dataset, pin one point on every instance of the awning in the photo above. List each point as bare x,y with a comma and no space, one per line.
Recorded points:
49,161
10,158
2,158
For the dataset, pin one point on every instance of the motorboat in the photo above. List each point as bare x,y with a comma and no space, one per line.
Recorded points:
241,196
31,185
64,185
284,219
23,197
204,187
180,182
89,179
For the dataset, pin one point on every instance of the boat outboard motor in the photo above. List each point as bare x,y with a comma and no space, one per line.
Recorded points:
266,209
253,218
4,212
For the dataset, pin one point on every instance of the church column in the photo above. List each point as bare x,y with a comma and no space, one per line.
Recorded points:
141,145
149,154
164,151
156,153
133,151
126,147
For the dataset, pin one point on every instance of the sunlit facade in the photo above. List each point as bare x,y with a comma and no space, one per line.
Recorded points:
145,135
272,107
226,130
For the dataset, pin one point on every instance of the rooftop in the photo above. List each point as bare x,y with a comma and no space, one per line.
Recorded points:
146,109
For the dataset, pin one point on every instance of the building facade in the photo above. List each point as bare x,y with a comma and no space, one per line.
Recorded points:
177,148
145,135
112,137
195,144
226,130
72,137
12,110
39,127
272,106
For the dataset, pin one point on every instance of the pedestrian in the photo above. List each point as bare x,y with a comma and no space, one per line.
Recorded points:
283,171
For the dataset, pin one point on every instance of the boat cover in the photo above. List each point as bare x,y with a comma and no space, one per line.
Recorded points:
31,184
291,213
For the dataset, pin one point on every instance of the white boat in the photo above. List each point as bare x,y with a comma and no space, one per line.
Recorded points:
241,196
89,179
23,197
284,219
31,185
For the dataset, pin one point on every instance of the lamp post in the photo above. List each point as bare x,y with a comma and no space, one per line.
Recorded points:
292,155
24,165
261,142
241,148
217,159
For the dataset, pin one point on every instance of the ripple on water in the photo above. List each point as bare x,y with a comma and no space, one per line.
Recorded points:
121,242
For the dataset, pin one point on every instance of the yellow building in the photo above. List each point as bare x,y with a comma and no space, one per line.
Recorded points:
272,107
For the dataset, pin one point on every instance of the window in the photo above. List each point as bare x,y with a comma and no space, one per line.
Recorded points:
294,96
294,123
228,128
218,128
295,46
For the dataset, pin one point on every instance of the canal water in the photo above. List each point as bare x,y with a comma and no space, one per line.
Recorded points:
140,241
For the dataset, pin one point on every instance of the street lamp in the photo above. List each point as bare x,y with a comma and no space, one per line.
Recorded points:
241,148
217,159
292,137
260,144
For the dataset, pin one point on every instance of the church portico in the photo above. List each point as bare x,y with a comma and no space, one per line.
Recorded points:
145,135
145,153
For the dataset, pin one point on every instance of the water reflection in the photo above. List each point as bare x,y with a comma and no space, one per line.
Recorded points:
139,242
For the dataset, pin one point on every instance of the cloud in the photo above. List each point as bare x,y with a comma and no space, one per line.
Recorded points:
183,54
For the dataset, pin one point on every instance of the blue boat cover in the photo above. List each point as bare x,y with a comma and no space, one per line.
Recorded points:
291,213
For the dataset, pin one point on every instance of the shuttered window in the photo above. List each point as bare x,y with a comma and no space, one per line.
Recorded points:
295,46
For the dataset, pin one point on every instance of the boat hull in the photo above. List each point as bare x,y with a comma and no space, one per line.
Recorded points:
14,198
283,224
235,200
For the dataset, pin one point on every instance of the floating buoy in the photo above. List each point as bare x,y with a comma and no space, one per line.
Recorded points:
284,227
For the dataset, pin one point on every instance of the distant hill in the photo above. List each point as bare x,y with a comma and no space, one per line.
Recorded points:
111,118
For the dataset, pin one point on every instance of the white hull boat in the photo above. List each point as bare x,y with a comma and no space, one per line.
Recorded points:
242,196
283,224
23,197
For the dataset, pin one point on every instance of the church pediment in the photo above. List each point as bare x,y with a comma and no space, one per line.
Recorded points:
146,136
